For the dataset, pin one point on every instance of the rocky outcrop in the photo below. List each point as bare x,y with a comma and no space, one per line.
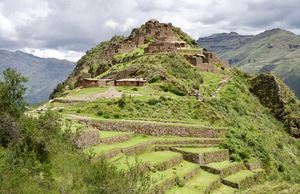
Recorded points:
279,98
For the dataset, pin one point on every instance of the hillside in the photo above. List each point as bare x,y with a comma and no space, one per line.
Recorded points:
275,51
139,55
194,125
43,74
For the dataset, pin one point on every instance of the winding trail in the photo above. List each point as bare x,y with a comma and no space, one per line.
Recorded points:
222,83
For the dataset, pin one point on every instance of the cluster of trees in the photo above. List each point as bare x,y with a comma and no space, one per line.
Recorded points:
36,156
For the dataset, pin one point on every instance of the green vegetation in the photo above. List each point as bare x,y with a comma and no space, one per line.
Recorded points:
12,93
37,156
274,51
233,108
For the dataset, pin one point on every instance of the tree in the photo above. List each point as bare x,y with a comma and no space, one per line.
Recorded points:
12,93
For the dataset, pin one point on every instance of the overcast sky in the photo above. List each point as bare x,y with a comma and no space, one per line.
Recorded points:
68,28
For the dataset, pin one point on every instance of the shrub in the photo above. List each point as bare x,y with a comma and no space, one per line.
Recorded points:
235,157
162,98
122,101
117,115
106,116
170,87
78,111
134,89
154,79
153,101
100,113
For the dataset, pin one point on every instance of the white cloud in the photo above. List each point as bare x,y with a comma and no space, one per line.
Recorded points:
126,26
75,25
7,29
51,53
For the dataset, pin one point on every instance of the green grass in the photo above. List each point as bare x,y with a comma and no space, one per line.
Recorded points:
154,158
239,176
87,91
202,180
131,142
182,190
201,150
137,139
221,165
224,189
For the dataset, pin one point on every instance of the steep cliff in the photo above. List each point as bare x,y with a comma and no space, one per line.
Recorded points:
280,99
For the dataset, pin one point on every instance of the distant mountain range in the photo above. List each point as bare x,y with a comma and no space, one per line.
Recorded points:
43,74
276,51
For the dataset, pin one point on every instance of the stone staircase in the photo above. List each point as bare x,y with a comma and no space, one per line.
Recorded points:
180,164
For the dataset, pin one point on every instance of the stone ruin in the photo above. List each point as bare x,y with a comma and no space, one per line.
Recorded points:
163,39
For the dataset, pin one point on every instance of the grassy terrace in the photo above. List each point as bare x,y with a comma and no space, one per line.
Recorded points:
239,176
199,183
154,158
87,91
224,189
221,165
200,150
180,170
137,139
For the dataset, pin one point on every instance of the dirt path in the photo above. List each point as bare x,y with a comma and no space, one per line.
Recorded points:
110,93
222,82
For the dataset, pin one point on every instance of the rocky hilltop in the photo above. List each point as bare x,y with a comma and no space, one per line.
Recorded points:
142,46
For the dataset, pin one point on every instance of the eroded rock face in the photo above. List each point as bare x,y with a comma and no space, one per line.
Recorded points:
280,99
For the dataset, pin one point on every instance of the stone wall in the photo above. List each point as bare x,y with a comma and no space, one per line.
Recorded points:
85,139
116,139
137,149
253,165
216,156
169,163
203,158
226,171
156,129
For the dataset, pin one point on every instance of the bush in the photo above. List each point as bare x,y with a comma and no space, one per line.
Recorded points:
78,111
170,87
122,101
154,79
153,101
100,113
235,157
134,89
163,99
117,115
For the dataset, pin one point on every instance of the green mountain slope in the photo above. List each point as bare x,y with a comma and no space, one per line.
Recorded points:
275,51
241,117
43,74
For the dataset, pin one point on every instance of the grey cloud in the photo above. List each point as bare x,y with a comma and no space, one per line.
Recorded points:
80,25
